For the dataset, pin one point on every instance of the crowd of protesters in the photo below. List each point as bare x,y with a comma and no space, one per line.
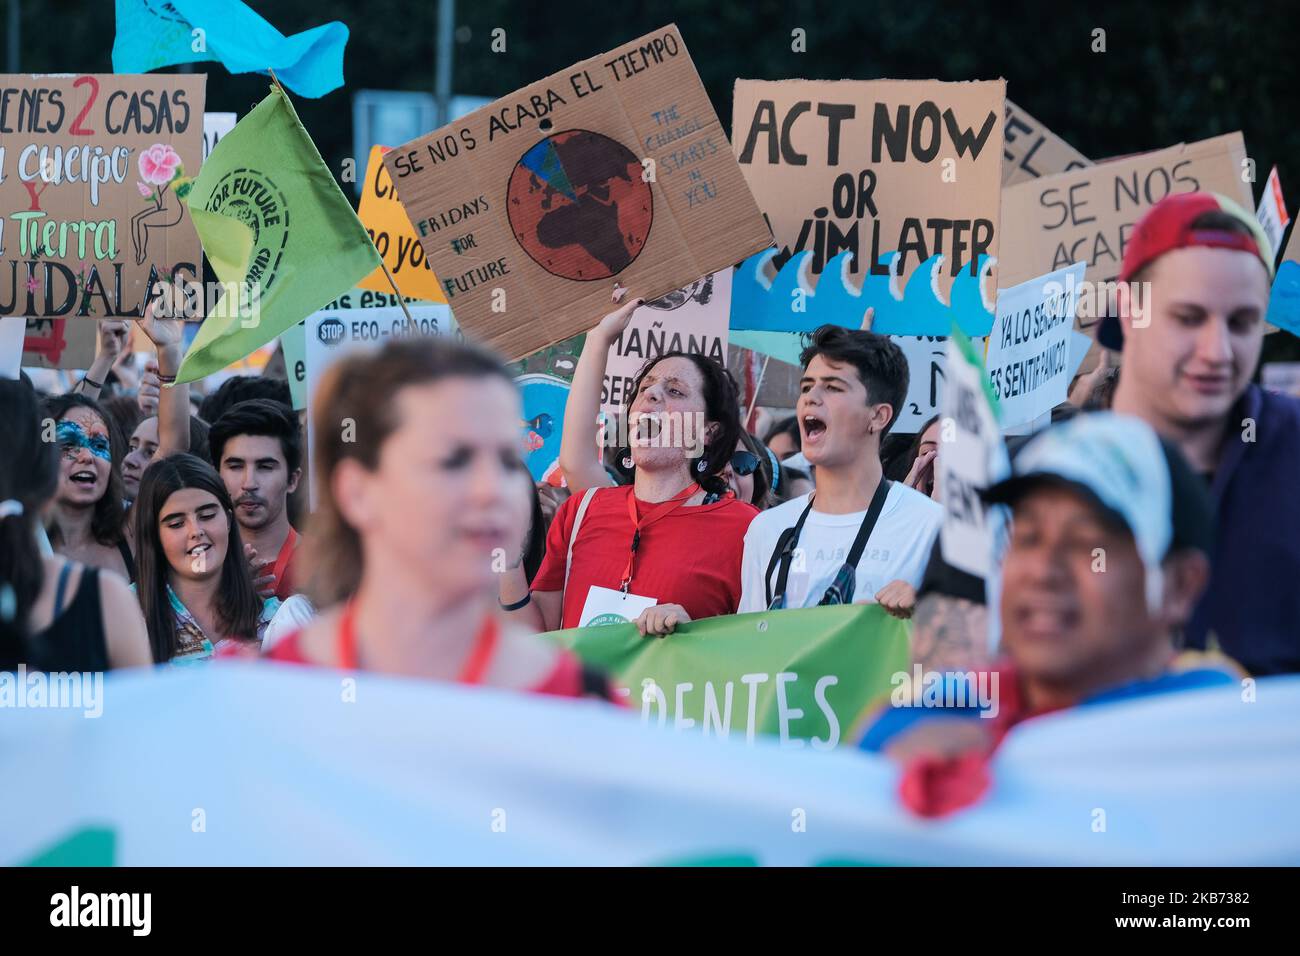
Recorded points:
138,528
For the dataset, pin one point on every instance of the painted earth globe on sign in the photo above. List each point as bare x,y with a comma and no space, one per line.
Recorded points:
578,205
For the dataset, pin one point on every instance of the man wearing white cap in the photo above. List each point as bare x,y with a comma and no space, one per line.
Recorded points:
1109,552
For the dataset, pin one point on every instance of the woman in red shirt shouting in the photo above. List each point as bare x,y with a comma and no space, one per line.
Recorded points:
666,549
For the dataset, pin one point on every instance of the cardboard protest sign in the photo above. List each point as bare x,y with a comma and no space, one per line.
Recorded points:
93,173
617,168
59,343
390,230
873,181
1030,150
215,126
332,333
927,358
1271,211
692,319
1284,304
1088,214
1028,357
971,457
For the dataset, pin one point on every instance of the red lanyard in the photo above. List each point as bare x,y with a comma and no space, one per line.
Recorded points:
283,558
472,672
669,506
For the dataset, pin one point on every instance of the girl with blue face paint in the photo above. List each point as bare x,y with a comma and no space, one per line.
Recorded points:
87,515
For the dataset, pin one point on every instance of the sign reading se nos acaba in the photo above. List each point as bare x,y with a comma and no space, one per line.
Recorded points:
614,170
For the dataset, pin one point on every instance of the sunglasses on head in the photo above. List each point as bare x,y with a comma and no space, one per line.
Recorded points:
744,463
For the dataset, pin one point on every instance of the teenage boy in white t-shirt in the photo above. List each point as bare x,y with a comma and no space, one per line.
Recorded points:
853,385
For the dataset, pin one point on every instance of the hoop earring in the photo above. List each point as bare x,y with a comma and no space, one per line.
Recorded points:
702,466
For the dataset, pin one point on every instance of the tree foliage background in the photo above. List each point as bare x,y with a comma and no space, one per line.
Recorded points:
1171,72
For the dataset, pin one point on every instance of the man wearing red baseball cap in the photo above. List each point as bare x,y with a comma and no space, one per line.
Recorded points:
1193,295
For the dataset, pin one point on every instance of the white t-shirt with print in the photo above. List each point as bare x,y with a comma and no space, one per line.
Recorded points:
898,549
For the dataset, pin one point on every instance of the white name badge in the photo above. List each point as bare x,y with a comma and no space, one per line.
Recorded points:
608,606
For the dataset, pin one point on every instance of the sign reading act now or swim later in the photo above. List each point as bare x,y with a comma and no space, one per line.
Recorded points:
903,176
94,170
616,169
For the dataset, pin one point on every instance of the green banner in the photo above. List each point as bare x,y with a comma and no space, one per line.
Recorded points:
802,675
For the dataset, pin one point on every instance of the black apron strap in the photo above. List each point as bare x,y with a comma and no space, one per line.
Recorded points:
868,523
784,554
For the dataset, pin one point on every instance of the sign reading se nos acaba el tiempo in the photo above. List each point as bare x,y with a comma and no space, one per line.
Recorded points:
614,170
94,169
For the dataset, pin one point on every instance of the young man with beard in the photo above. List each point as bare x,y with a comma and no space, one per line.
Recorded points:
257,449
858,537
1193,296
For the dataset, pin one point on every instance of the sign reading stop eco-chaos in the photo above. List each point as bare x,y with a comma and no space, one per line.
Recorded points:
614,170
94,170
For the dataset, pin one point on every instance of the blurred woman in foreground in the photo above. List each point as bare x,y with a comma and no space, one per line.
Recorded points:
422,502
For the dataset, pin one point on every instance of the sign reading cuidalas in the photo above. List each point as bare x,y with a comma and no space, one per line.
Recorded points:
615,170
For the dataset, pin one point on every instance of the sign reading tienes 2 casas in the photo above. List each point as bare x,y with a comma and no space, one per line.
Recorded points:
94,171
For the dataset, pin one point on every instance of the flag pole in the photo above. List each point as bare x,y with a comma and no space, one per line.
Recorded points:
401,300
757,385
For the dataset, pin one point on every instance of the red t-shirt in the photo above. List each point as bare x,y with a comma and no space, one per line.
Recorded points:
283,567
689,557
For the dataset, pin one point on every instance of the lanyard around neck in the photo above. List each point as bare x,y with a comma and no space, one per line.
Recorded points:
472,672
640,524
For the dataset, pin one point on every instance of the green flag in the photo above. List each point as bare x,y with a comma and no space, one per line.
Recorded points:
277,230
808,674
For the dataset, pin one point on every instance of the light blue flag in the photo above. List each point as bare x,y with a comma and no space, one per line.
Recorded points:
155,33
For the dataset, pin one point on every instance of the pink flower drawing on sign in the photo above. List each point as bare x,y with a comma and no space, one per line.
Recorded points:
160,166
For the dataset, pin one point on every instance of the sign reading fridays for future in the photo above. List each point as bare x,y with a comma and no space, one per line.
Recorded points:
615,169
94,170
891,190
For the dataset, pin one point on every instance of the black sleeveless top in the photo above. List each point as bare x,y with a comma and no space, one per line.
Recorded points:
75,639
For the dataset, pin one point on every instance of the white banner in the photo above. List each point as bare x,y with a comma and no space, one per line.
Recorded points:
1029,361
414,773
